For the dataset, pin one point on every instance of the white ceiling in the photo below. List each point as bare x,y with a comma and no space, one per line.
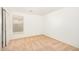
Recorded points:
34,10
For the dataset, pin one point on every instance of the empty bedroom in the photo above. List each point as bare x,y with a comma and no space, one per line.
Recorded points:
39,29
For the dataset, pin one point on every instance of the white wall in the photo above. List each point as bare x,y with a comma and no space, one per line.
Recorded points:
63,25
33,25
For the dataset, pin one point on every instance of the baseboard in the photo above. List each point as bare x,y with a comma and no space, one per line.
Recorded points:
50,36
59,39
28,36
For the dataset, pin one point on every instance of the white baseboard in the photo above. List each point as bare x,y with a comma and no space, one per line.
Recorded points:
64,41
51,36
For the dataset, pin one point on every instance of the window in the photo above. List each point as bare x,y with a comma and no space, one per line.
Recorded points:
17,23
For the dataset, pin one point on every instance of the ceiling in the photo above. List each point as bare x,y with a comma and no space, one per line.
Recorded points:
34,10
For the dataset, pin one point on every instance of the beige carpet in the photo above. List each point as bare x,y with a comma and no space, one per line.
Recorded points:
38,43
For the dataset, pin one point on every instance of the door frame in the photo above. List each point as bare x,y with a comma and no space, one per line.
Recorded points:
3,28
